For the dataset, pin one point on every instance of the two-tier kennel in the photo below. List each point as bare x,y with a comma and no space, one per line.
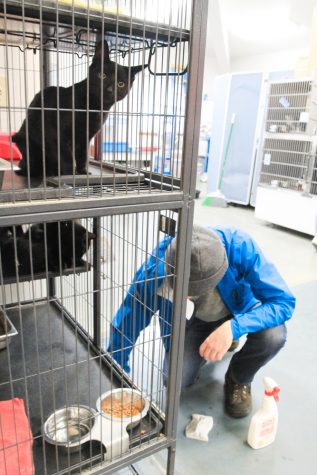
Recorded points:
139,188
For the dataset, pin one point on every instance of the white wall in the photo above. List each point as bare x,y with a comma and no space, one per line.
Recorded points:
211,71
278,61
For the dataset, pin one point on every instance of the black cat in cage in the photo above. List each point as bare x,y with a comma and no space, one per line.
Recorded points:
79,108
16,252
55,248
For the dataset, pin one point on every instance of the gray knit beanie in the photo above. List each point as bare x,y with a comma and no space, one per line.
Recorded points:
208,262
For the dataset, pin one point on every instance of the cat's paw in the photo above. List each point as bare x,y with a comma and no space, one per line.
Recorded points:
21,172
82,171
80,262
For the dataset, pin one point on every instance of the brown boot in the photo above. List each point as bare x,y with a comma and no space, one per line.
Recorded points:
238,400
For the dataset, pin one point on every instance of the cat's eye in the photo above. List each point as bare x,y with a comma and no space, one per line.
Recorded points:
103,76
121,84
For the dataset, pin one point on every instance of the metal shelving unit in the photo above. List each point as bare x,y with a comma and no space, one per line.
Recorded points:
68,13
286,193
63,319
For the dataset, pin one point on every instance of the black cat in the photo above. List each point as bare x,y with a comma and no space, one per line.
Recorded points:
115,81
15,253
63,245
7,232
66,243
9,251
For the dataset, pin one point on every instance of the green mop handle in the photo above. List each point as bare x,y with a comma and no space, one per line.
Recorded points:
233,118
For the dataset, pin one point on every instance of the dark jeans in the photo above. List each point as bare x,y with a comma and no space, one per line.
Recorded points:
259,348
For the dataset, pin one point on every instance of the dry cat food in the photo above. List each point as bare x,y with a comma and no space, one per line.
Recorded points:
123,405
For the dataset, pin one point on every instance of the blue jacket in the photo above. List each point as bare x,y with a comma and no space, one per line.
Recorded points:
251,288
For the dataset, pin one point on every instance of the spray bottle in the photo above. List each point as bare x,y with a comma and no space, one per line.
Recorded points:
263,424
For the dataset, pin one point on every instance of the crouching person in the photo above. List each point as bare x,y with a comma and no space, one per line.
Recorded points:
236,291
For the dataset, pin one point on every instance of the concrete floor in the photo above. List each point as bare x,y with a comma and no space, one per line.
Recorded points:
294,450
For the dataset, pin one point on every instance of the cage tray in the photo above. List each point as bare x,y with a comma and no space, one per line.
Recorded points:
50,366
85,267
100,174
18,188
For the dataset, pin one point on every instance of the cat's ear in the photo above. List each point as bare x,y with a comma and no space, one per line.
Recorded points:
37,231
101,47
136,69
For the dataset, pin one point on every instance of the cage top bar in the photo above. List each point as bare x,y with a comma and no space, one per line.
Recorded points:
78,15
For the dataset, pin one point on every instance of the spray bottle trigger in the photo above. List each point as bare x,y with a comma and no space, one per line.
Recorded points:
275,393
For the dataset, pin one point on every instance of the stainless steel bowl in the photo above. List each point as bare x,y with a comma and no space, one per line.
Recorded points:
7,330
123,396
69,427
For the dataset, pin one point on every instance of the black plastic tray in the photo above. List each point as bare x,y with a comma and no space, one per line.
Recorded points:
17,188
85,267
49,366
100,173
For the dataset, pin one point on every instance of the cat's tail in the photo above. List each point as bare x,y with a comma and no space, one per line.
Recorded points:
35,171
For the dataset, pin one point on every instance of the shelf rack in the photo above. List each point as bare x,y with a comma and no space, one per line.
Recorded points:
62,13
63,334
61,389
286,192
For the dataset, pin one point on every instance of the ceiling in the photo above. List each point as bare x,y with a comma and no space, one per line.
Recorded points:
252,27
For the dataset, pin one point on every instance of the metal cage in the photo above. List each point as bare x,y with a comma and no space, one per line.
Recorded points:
53,97
62,313
286,192
289,142
72,243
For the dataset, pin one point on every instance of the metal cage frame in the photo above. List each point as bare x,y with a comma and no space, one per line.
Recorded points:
169,194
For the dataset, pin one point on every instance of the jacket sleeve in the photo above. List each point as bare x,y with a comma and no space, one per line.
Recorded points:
277,303
131,318
139,305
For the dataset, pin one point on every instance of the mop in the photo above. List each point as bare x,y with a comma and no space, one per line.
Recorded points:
217,198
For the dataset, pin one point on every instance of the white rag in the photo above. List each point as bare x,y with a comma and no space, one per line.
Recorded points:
199,427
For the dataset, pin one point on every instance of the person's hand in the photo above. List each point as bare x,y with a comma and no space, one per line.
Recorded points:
217,343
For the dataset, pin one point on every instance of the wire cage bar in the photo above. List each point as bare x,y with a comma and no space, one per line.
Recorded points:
94,94
62,306
285,163
289,141
99,117
289,105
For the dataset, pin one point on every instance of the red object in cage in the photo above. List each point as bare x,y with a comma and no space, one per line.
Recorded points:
7,150
16,439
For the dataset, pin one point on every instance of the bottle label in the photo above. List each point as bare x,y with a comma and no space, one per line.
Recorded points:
267,427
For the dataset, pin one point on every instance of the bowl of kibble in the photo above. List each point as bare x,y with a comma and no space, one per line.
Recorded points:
125,405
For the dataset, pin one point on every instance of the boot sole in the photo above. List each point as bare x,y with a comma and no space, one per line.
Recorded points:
236,415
